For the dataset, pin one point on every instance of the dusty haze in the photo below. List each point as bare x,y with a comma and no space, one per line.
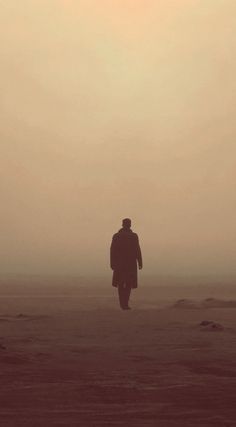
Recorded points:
112,109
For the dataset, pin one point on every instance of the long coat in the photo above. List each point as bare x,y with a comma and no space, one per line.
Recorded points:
125,252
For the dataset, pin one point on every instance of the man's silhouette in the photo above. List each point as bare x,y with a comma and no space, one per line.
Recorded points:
125,253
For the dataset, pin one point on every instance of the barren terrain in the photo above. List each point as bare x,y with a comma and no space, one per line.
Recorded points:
70,357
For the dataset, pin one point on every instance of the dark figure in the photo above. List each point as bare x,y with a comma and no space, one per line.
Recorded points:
124,255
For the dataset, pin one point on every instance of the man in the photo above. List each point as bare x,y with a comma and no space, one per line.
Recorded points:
125,253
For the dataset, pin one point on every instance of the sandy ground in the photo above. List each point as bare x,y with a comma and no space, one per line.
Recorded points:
70,357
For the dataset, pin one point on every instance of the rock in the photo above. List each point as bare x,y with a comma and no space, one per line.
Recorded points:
217,326
206,322
209,325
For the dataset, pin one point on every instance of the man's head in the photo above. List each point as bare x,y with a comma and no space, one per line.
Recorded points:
126,223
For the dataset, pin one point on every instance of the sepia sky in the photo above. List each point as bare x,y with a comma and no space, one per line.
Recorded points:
116,108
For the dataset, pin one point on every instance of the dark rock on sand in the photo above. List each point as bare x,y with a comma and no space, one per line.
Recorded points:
206,322
209,325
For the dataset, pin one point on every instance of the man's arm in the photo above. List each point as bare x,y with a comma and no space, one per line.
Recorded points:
112,254
139,255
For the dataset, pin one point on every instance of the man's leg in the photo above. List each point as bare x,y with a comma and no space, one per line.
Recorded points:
121,292
124,294
127,292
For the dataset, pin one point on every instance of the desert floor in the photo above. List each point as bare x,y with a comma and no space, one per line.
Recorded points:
70,357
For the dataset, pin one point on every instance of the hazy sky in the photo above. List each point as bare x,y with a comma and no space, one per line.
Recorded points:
116,108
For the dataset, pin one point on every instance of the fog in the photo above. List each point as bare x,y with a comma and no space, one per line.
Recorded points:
111,109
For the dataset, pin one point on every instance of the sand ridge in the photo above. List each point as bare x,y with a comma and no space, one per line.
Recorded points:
206,303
